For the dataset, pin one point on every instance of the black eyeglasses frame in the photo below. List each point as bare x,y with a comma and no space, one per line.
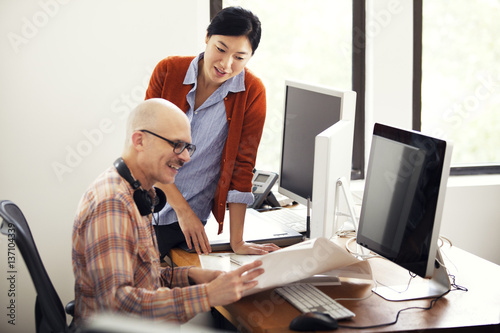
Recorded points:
178,146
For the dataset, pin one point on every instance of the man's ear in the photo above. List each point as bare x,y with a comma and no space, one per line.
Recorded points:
206,38
138,140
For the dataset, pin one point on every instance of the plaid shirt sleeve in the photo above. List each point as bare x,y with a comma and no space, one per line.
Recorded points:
117,266
180,278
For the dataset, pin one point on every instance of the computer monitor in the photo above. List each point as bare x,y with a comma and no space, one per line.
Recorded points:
402,206
317,145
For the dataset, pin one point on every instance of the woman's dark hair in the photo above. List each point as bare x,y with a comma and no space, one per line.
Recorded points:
236,21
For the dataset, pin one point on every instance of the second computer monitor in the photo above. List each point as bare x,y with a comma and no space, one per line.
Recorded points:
402,207
316,147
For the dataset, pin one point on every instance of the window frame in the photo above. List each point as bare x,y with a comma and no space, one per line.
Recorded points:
485,169
358,85
358,81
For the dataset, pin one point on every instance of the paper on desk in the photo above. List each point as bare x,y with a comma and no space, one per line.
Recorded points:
226,261
286,265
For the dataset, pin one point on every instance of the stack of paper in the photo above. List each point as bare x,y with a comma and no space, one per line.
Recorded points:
290,264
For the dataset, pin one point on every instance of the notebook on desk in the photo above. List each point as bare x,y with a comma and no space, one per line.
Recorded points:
257,230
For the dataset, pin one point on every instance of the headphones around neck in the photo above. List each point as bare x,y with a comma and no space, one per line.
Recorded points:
142,199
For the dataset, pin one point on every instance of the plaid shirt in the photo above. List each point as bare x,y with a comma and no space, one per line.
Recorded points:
116,260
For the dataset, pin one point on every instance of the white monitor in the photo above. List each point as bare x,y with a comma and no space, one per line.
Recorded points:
332,165
317,145
402,206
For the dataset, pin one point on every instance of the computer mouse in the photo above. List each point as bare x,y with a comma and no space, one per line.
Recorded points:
313,321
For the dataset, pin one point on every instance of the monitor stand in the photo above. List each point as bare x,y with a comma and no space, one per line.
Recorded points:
343,185
436,286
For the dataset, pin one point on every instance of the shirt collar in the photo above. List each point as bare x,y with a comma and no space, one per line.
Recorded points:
234,84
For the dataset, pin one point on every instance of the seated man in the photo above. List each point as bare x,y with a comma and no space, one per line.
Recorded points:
115,254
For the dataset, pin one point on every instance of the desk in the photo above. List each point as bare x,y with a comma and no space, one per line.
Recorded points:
477,310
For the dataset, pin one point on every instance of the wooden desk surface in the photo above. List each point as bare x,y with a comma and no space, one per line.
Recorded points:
477,310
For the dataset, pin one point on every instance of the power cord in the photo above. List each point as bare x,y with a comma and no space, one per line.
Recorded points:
431,305
412,276
455,287
169,254
357,254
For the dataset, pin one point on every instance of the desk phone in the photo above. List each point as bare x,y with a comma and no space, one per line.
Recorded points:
263,181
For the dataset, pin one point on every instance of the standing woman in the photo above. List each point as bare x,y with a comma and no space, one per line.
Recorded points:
226,105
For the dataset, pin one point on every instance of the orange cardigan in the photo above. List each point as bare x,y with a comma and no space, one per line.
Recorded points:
245,112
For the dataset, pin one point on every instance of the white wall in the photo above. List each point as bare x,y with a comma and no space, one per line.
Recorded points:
471,217
70,73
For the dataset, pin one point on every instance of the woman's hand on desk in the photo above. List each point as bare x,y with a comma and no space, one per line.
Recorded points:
252,248
194,232
190,224
228,287
237,213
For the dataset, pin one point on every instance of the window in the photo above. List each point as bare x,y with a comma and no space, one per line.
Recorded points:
460,86
305,41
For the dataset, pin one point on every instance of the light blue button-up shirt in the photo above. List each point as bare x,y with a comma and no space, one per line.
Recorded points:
197,180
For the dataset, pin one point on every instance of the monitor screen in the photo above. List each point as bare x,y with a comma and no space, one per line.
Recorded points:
403,197
308,112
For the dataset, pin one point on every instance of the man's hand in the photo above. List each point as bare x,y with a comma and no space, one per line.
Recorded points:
200,275
229,287
252,248
194,232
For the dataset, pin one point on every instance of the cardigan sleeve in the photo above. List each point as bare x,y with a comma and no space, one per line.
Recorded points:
246,113
251,133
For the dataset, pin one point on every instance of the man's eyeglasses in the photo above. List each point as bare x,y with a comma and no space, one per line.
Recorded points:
179,146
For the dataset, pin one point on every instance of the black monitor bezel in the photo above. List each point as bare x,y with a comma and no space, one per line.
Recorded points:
435,151
287,187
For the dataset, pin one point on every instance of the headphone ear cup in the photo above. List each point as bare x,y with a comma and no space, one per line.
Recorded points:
160,200
142,199
144,202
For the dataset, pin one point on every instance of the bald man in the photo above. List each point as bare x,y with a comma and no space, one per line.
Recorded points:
115,254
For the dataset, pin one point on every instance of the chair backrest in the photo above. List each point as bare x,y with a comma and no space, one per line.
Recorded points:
50,316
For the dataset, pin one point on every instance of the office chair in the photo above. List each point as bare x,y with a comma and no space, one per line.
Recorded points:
49,311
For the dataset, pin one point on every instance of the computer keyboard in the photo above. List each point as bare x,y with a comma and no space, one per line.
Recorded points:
287,217
308,298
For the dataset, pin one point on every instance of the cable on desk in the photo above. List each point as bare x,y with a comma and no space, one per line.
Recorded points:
455,287
431,305
412,276
356,254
